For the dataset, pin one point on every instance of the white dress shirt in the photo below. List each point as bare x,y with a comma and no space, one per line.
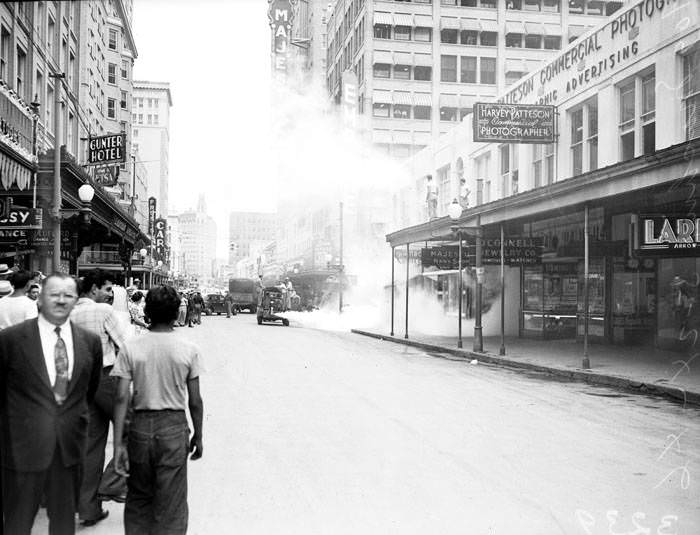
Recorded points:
48,345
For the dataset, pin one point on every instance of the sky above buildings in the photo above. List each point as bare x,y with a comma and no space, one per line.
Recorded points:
216,56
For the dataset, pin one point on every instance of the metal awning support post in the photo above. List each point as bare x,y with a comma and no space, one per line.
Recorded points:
408,252
502,350
393,286
461,289
478,333
586,364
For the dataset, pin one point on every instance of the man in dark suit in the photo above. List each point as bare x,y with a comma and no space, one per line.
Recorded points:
49,370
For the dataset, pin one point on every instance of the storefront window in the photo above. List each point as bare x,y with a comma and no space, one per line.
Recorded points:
596,297
679,281
633,300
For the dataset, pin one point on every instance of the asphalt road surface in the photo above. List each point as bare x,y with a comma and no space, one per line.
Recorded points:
316,432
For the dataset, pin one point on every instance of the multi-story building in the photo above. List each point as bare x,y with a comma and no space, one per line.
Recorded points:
422,64
308,39
198,242
150,113
246,229
612,202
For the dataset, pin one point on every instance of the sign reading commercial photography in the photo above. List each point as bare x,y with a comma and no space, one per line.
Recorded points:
107,149
513,123
161,226
669,235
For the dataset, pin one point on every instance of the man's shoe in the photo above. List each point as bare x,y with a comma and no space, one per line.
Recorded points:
103,514
119,498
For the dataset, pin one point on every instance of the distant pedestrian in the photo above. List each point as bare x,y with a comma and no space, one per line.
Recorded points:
182,311
198,307
228,302
464,192
49,372
431,196
136,312
17,307
34,290
164,369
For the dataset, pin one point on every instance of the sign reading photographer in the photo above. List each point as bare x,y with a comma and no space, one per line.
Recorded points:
107,149
668,235
513,123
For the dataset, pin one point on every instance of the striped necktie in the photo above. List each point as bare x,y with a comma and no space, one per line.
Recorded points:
60,355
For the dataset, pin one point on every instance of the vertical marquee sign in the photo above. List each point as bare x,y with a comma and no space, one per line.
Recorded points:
159,238
151,216
280,14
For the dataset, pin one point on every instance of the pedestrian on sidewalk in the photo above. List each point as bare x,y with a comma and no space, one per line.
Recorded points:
228,302
164,369
94,314
49,373
17,307
431,196
182,311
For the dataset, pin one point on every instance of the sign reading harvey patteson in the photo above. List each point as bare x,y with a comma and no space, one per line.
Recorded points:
513,123
107,149
669,235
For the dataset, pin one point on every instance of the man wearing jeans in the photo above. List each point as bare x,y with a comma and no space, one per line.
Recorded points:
164,368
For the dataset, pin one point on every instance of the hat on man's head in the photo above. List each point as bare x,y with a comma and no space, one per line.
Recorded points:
4,270
5,288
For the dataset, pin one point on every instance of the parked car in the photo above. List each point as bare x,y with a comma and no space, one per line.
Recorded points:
214,304
244,294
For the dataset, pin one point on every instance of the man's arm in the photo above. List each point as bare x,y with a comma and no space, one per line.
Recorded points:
95,374
116,331
196,413
121,458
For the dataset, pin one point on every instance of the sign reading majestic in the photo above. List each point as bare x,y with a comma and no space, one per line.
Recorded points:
513,123
669,235
151,216
444,257
159,238
280,14
107,149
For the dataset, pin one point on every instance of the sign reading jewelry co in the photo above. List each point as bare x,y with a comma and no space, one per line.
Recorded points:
513,123
107,149
669,235
161,227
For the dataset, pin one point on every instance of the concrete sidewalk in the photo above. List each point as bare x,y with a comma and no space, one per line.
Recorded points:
647,371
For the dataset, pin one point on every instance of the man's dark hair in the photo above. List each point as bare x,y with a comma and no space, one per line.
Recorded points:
162,304
429,177
19,279
96,277
137,296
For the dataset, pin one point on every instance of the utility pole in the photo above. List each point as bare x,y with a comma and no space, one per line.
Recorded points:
57,186
341,271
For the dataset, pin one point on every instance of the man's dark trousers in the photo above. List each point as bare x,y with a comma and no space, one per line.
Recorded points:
101,411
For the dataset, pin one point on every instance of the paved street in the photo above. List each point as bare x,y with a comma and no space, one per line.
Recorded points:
309,431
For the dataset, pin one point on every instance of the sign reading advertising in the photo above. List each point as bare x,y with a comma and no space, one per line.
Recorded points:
161,226
668,235
513,123
280,14
107,149
444,257
18,217
151,216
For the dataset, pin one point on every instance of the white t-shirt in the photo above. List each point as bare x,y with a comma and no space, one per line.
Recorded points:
14,310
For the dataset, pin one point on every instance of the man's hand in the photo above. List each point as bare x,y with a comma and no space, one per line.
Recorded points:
121,460
196,447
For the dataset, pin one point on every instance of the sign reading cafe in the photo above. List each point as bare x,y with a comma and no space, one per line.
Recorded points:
667,235
513,123
159,238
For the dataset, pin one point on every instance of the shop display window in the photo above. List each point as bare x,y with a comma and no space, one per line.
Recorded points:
678,295
633,300
549,300
596,298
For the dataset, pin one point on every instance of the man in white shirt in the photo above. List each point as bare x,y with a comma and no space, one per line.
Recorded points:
17,307
431,197
464,192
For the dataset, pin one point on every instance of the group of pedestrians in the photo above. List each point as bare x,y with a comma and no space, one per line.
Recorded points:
67,367
190,309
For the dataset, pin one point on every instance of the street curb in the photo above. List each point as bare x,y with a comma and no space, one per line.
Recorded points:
624,383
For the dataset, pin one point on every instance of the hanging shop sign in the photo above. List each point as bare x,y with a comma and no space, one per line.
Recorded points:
107,149
151,216
13,216
107,175
668,235
518,251
445,257
281,15
159,238
513,123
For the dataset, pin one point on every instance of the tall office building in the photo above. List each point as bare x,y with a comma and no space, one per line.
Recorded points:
248,231
197,232
308,39
151,135
422,64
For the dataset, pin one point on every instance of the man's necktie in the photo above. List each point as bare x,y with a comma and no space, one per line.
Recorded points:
60,355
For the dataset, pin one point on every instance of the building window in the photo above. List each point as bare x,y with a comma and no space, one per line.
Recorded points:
140,118
491,4
402,72
537,165
513,76
125,70
532,5
576,7
111,108
514,4
592,134
488,70
4,52
402,33
112,39
423,34
448,68
551,6
155,118
627,121
648,114
691,94
488,39
514,40
448,114
422,112
401,111
380,109
422,73
122,100
382,70
552,42
449,36
469,37
111,73
577,141
382,31
533,41
468,70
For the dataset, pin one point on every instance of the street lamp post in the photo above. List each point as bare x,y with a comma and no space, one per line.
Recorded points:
57,186
455,212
